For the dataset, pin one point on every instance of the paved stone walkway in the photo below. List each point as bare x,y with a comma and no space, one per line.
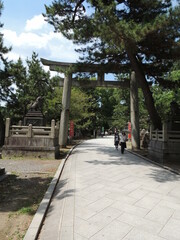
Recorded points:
104,195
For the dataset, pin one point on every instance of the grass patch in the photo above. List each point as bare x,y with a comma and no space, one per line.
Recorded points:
27,210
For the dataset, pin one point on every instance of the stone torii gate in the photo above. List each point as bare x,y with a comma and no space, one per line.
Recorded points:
100,69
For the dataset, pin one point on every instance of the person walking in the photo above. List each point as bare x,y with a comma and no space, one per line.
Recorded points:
123,139
116,139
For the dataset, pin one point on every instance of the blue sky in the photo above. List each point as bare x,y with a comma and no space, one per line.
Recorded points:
25,30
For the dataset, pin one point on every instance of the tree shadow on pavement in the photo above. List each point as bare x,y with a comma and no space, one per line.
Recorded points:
158,173
161,175
60,194
61,191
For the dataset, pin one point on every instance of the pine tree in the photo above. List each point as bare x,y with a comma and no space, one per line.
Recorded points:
30,82
5,82
16,106
144,35
38,80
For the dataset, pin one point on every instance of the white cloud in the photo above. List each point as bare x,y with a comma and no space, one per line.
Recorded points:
55,42
30,39
36,23
24,39
44,42
14,56
63,49
51,46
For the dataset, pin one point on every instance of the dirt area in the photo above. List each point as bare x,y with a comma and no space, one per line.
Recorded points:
22,191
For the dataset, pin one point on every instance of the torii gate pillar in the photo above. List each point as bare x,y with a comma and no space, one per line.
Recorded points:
134,107
102,69
63,133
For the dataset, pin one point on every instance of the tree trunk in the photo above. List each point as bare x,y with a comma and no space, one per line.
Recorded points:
149,101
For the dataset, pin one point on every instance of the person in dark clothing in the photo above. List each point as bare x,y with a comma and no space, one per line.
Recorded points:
116,140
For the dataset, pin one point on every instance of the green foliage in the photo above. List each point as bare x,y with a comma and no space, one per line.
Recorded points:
80,110
53,103
27,210
151,29
164,95
5,83
104,108
16,105
38,79
121,113
174,74
163,98
29,83
143,35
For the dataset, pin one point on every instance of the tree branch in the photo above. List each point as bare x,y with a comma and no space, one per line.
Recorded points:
76,9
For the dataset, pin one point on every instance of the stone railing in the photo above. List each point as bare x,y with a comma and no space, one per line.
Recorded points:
164,135
31,141
164,145
31,131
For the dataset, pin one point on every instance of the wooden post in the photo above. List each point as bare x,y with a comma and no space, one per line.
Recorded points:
7,131
135,136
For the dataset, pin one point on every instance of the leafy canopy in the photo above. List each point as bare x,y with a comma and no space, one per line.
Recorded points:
6,88
151,29
143,35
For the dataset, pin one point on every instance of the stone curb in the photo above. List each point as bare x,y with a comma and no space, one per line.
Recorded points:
155,163
37,221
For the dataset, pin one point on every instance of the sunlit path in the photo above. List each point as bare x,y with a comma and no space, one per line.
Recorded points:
103,194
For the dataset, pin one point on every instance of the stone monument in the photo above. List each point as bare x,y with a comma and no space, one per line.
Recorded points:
34,115
33,138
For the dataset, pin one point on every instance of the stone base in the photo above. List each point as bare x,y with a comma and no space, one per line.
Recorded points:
31,147
164,151
31,153
35,118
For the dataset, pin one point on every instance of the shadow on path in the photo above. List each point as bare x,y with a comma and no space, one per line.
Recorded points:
116,158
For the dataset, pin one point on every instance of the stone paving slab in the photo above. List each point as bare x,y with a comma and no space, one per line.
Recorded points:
104,195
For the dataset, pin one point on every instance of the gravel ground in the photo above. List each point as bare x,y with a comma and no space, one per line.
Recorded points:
28,165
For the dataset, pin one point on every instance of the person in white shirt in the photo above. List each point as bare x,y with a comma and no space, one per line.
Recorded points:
123,139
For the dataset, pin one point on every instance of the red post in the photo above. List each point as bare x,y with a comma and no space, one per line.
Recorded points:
71,131
129,130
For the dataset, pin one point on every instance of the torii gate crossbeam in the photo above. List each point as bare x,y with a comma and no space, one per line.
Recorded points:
100,69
